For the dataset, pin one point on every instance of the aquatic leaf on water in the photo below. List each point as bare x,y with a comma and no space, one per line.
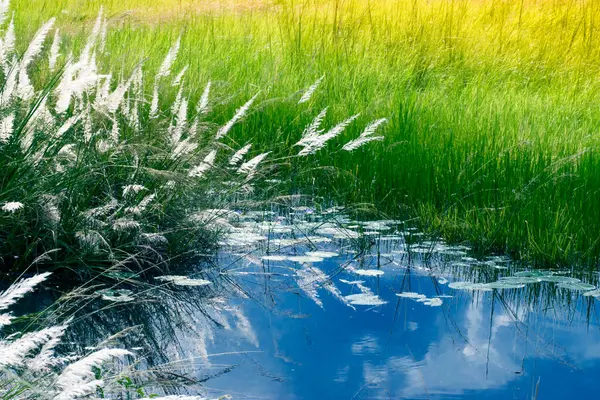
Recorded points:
305,259
182,280
242,238
376,225
431,302
595,293
391,238
505,285
452,253
519,280
274,258
560,279
351,282
365,299
322,254
411,295
576,286
116,295
533,274
368,272
469,286
338,233
462,265
297,241
498,259
421,298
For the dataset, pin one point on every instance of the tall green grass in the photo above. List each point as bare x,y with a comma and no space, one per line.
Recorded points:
492,105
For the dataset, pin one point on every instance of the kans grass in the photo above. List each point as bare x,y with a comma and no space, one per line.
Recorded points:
101,174
492,106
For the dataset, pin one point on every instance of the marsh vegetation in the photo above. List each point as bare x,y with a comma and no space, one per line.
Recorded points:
179,179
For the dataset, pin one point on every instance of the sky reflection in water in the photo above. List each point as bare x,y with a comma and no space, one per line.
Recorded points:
498,345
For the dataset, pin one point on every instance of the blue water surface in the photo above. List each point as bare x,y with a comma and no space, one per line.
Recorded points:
536,342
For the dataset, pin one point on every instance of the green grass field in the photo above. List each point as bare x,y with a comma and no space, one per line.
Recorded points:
493,106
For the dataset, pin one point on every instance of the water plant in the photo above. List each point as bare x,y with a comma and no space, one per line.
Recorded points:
99,174
491,125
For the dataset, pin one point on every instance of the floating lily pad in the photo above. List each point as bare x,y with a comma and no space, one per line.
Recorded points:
504,285
433,302
274,258
452,253
322,254
365,299
411,295
116,295
532,274
182,280
576,286
520,280
368,272
305,259
469,286
594,293
560,279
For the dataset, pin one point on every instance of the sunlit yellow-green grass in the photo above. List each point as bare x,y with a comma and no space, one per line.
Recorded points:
493,105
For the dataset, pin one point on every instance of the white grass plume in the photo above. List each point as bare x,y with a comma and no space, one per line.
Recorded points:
5,320
179,77
165,68
4,6
112,102
310,91
202,106
91,42
239,155
316,142
154,102
132,189
239,114
54,51
36,44
68,124
180,122
115,132
24,87
103,31
102,210
249,167
78,379
177,102
14,353
45,359
366,136
10,84
6,128
77,78
183,147
125,224
141,207
313,130
20,289
7,46
199,170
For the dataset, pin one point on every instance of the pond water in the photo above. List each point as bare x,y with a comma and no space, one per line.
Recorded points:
326,308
